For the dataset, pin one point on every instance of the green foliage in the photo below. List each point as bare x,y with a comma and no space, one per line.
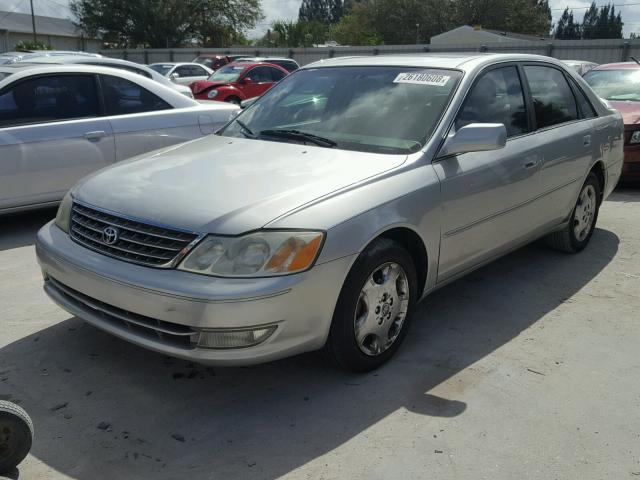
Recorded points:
294,34
166,23
567,28
532,17
356,28
24,46
323,11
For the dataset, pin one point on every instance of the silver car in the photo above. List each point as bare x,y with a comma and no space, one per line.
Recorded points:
60,123
182,73
322,214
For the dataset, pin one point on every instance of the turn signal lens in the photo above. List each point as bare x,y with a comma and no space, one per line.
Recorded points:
223,339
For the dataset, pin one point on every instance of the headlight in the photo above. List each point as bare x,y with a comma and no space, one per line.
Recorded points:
635,137
64,213
260,254
212,93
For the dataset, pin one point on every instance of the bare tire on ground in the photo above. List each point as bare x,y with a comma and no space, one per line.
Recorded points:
374,308
16,435
577,233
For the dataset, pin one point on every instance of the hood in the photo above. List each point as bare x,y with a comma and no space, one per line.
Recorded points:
630,111
202,85
227,185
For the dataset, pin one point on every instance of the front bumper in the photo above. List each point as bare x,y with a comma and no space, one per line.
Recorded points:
164,310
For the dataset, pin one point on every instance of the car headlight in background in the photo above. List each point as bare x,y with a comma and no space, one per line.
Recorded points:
259,254
212,93
63,216
635,137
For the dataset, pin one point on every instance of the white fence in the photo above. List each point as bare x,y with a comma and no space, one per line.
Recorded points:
599,51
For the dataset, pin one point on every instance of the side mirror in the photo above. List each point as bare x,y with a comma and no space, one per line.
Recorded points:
247,81
476,137
174,76
248,102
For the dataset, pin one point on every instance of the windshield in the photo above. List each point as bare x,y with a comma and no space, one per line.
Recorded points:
615,84
229,73
161,68
371,109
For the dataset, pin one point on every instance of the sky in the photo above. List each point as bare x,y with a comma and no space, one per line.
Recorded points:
288,9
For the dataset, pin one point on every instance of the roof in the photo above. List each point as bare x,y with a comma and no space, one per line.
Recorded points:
618,66
21,23
466,34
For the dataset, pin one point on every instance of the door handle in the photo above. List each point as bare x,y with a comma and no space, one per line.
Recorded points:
97,135
586,140
531,164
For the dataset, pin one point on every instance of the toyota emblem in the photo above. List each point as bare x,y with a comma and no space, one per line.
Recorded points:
110,235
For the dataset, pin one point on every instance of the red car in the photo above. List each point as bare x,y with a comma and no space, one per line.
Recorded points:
238,81
619,84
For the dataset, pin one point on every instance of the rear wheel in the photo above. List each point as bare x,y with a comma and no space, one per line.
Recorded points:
577,233
374,308
16,435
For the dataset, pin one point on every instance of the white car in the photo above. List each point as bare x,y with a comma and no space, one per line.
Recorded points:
143,70
59,123
12,57
182,73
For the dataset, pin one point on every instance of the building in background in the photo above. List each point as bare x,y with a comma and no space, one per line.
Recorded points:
476,35
60,33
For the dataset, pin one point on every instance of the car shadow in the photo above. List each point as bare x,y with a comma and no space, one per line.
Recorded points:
20,230
106,409
625,194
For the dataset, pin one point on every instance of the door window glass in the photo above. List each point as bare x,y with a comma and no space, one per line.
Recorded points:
122,97
586,109
49,98
260,74
184,71
553,100
276,75
496,98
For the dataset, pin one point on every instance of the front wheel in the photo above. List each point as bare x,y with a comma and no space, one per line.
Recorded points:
577,233
374,308
234,100
16,435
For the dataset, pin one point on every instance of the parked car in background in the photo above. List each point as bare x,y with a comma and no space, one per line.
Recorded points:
619,84
580,66
238,81
182,73
59,123
143,70
288,64
12,57
214,61
323,212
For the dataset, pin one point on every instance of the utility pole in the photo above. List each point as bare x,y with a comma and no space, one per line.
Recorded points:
417,33
33,23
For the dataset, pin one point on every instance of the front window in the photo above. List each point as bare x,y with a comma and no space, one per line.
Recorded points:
615,84
230,73
371,109
161,68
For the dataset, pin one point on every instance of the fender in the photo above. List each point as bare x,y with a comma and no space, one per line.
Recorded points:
225,91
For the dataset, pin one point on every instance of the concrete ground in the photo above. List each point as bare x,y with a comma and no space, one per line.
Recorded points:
527,369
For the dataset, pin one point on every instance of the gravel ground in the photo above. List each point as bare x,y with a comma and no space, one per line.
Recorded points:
527,369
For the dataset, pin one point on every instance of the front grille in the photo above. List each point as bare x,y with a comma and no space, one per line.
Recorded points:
135,241
166,333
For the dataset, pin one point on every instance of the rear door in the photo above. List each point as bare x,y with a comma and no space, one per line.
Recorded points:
142,121
188,74
262,79
51,135
565,129
488,198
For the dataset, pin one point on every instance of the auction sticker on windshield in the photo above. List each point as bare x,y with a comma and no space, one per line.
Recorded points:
422,79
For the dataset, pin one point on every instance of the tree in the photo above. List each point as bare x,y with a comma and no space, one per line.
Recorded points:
567,28
531,17
166,23
602,22
356,28
284,33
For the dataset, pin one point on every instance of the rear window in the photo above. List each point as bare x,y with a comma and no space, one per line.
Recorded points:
161,68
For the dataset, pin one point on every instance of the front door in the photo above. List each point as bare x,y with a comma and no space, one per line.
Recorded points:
51,135
488,197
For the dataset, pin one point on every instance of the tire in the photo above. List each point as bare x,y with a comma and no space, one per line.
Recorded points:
362,295
16,435
233,100
568,239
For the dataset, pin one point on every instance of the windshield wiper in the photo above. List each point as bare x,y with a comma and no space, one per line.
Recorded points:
246,131
299,135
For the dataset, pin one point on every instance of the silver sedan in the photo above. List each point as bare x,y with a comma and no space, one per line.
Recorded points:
60,123
322,214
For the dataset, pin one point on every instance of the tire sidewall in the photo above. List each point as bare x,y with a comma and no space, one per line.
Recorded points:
342,337
20,442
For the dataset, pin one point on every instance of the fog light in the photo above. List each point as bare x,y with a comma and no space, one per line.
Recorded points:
222,339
